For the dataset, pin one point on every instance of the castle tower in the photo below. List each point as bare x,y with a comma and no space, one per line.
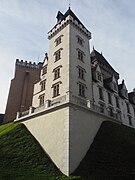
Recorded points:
69,106
68,69
61,118
21,88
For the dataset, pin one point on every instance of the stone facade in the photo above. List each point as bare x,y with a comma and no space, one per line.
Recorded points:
76,92
21,88
109,96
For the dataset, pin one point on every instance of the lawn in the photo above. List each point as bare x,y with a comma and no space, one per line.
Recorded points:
22,158
111,156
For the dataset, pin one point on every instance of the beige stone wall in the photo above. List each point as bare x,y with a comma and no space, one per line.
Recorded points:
83,127
122,103
52,132
65,133
75,63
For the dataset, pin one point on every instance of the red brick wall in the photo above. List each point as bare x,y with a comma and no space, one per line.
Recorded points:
21,89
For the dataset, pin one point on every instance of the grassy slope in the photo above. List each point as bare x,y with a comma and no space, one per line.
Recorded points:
21,157
111,156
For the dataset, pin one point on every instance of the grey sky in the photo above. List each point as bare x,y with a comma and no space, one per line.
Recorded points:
24,26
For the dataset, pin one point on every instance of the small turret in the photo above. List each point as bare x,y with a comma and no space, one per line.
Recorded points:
59,16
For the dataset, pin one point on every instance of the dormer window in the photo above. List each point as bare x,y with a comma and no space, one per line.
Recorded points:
111,84
99,76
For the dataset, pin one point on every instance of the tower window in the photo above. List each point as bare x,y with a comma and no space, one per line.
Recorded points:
57,73
58,40
81,73
101,94
80,55
44,70
80,40
41,99
82,90
57,55
56,89
43,84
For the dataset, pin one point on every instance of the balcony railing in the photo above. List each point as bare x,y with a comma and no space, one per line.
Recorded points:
106,111
75,100
78,101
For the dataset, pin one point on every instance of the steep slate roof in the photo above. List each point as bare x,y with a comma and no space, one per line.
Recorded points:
61,16
95,55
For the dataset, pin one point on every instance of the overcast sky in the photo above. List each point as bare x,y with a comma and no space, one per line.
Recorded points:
24,26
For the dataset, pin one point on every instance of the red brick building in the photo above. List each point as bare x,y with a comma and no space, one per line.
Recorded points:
21,88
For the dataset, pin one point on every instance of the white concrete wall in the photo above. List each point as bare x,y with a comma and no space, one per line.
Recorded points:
65,133
83,127
75,62
51,64
52,132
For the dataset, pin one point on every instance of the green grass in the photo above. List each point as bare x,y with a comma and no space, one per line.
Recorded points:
22,158
111,156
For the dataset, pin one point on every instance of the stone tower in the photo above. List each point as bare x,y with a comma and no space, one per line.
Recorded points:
73,96
61,118
68,66
21,88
